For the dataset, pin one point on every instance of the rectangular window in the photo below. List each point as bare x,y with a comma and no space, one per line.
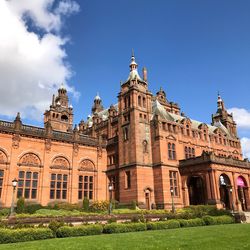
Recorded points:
58,186
173,177
27,184
1,181
85,187
128,179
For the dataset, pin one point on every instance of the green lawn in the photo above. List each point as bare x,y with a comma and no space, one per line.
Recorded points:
234,236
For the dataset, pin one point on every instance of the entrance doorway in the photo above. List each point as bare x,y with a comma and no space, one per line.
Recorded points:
242,192
225,194
196,190
147,199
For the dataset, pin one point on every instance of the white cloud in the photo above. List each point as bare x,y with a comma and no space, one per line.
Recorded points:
245,143
32,65
241,116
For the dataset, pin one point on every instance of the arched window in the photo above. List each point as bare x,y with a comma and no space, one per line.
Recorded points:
64,118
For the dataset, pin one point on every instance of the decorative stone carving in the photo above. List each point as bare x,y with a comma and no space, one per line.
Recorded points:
60,163
87,165
15,141
30,160
99,151
47,145
75,149
3,158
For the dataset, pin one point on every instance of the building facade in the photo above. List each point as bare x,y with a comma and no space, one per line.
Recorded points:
143,145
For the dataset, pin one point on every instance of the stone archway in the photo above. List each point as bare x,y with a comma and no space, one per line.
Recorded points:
225,194
196,190
242,192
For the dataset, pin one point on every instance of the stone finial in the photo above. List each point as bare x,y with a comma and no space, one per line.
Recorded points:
145,74
17,122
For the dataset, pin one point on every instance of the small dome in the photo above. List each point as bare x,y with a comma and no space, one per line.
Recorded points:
97,97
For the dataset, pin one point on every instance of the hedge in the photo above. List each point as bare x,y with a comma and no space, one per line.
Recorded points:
124,228
215,220
159,225
25,234
83,230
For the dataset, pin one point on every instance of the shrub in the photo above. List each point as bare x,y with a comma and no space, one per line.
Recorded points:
20,206
138,218
124,228
112,220
183,223
18,235
133,205
224,219
31,208
85,204
197,222
99,206
54,225
4,211
159,225
67,231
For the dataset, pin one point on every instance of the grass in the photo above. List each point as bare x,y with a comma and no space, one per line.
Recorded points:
234,236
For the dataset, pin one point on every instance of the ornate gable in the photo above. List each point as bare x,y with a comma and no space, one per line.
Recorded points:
30,160
87,165
60,163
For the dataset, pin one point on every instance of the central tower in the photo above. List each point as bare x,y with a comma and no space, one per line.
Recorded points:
135,154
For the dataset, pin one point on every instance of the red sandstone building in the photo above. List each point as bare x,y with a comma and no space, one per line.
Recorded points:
143,145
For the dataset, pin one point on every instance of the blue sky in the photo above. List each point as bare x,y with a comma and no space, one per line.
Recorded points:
191,48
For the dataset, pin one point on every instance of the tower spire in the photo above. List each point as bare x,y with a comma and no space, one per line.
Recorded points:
133,65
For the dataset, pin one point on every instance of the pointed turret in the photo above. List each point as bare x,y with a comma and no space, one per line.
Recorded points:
97,106
223,118
134,75
220,104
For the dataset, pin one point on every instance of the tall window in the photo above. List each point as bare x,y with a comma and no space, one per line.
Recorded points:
144,102
125,134
85,187
171,151
58,186
205,135
1,181
188,130
139,100
173,182
128,179
27,184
